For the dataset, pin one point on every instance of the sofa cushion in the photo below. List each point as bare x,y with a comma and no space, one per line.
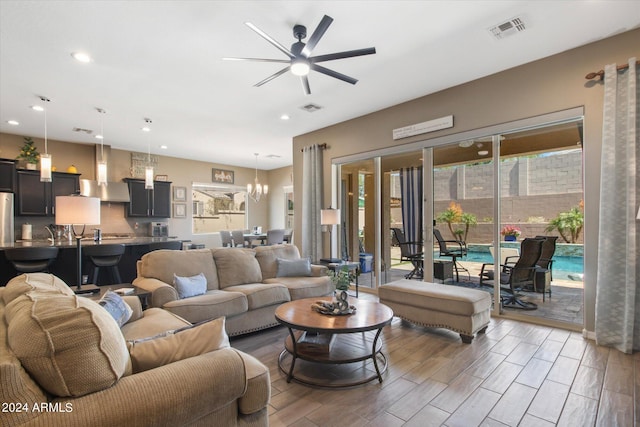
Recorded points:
42,282
262,294
163,264
155,321
190,286
211,305
70,345
236,266
183,343
267,255
17,385
293,267
116,307
305,287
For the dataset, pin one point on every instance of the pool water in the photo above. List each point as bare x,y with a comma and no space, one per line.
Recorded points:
562,265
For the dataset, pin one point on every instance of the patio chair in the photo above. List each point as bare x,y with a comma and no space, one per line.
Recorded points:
515,278
412,252
454,249
546,257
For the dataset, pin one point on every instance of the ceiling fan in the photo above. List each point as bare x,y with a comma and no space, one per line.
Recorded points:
300,61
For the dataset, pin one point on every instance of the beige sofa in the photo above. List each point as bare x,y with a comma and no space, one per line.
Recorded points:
242,284
64,361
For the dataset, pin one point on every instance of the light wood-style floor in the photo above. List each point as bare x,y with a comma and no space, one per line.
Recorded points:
517,374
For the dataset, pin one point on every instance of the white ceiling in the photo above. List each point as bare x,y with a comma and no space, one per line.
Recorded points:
163,60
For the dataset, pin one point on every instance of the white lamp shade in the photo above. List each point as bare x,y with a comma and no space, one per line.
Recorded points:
330,216
77,210
102,173
45,167
148,178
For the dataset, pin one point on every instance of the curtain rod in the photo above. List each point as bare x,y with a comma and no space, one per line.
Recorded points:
600,74
322,146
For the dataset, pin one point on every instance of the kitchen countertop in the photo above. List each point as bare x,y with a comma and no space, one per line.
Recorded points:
88,241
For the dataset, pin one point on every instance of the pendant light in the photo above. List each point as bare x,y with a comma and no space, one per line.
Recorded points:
148,170
45,159
102,164
256,190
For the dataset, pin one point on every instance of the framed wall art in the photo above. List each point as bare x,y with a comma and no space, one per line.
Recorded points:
179,194
179,210
223,176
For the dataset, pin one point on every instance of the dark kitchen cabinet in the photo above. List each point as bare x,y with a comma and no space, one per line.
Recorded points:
37,198
7,175
154,203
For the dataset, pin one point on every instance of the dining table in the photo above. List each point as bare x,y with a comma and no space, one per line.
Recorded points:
250,238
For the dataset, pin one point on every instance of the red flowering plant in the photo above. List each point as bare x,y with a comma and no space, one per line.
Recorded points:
510,230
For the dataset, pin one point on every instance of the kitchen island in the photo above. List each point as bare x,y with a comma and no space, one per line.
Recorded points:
65,264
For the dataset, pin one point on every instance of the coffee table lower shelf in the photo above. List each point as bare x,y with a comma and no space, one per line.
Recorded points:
347,349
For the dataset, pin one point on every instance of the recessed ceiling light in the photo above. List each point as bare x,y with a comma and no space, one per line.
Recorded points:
81,57
99,137
13,122
146,129
483,153
37,108
163,147
284,117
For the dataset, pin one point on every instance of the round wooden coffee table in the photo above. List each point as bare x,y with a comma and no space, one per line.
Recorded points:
335,340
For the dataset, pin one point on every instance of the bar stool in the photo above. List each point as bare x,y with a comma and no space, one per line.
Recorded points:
175,245
104,256
32,259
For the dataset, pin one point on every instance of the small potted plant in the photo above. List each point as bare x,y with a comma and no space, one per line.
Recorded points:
29,153
510,233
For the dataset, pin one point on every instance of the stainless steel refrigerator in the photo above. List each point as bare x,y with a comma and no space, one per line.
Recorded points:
6,218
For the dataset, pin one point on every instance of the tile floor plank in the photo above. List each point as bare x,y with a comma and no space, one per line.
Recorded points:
473,410
549,401
513,404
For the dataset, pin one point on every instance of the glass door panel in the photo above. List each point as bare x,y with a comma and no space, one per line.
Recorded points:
541,193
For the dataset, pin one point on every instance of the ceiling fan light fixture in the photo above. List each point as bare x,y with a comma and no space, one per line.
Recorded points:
300,67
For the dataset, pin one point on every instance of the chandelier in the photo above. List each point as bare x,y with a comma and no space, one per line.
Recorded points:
256,190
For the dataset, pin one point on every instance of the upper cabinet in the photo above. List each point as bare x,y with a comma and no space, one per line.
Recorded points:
36,198
154,203
7,175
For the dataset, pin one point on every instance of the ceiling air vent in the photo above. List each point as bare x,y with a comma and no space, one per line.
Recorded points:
509,28
87,131
311,108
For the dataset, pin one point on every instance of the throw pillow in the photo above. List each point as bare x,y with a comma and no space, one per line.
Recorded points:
293,267
70,345
117,308
183,343
190,286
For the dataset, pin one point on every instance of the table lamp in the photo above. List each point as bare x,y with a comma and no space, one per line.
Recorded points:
78,210
330,217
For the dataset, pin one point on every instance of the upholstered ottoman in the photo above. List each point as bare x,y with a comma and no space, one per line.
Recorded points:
463,310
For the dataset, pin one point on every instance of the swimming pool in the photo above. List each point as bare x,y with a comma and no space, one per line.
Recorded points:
562,265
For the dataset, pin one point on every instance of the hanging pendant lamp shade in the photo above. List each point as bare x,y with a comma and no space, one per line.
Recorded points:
102,164
45,159
148,170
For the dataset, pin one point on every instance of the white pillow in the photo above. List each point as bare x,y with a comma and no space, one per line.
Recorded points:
190,286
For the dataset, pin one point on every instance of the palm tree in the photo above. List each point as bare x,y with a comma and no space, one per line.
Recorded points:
468,220
569,224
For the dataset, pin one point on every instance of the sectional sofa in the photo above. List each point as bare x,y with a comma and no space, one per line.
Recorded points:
243,285
65,361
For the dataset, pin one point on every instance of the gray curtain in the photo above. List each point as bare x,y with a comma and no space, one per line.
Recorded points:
312,191
411,189
617,294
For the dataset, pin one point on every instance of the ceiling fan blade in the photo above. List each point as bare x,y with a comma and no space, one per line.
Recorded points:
270,39
317,35
283,61
334,74
342,55
305,85
271,77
